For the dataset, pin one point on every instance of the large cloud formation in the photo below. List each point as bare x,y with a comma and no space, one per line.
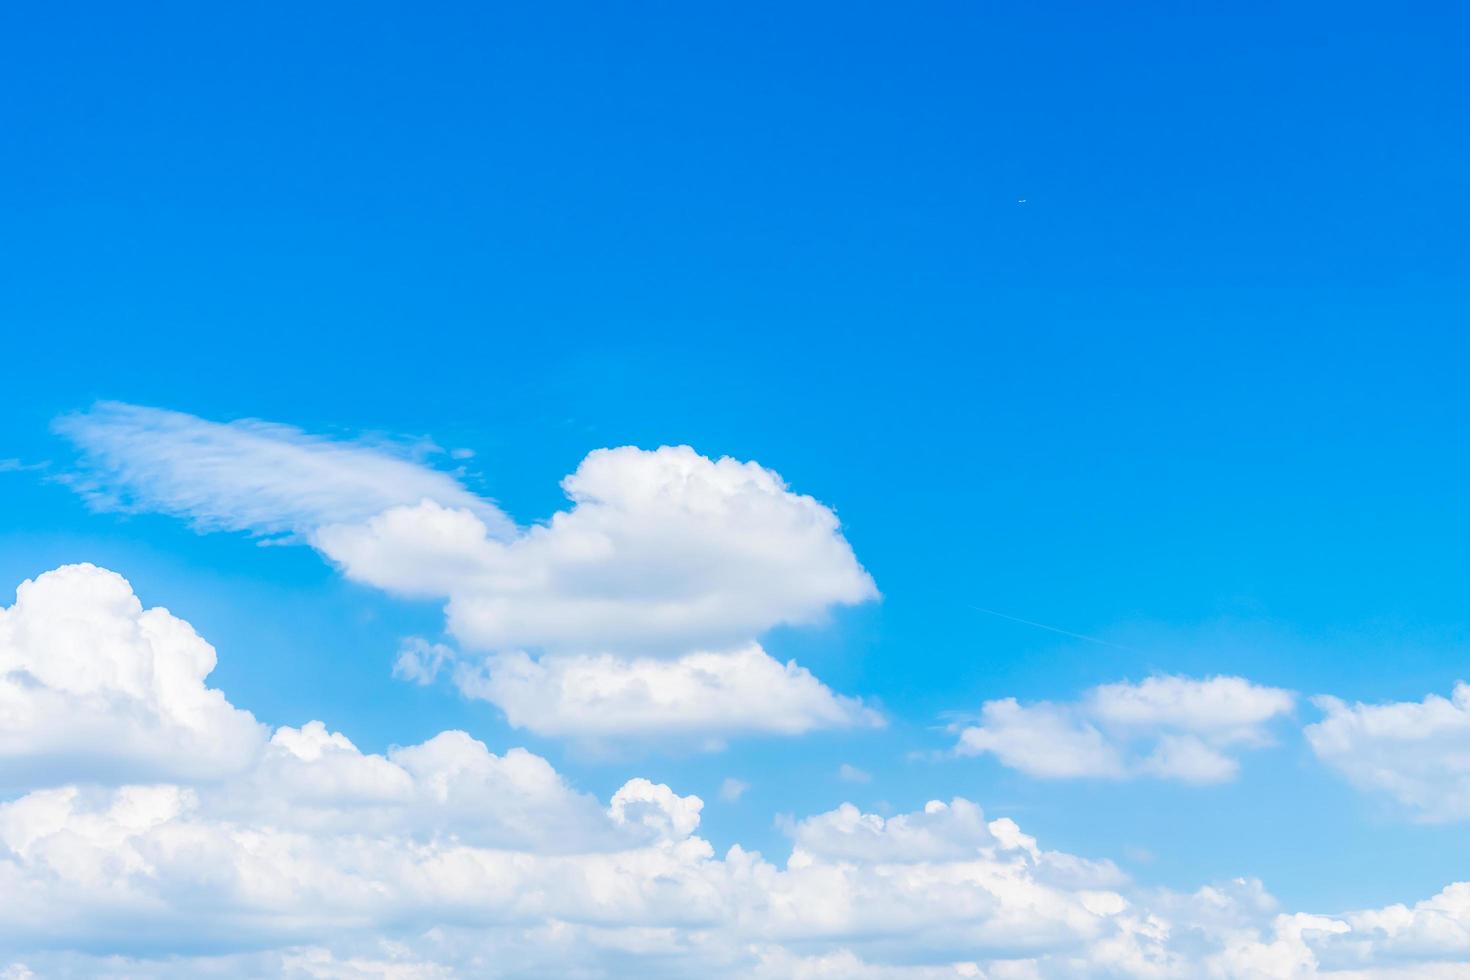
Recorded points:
300,855
648,594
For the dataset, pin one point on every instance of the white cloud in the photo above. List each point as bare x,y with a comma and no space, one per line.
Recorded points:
248,475
1415,752
89,680
1042,740
1434,928
315,781
663,555
1229,705
1166,727
662,552
731,789
420,661
852,774
445,859
745,691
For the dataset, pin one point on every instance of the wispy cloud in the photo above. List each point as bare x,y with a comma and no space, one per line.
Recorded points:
732,789
248,475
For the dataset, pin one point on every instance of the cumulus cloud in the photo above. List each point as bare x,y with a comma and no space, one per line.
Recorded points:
1165,727
248,475
90,680
1414,752
661,552
745,691
635,610
443,859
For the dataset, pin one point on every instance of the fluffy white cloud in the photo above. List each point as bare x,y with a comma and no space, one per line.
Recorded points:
1042,739
314,780
248,475
89,680
745,691
662,551
663,554
938,893
1229,705
1435,928
1166,727
1416,752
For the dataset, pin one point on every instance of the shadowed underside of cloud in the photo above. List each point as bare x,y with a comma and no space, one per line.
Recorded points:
296,854
634,611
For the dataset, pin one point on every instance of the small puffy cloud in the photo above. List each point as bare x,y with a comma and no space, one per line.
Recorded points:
1044,739
940,831
93,684
852,774
731,789
654,806
1165,727
745,691
420,661
1229,705
1415,752
248,475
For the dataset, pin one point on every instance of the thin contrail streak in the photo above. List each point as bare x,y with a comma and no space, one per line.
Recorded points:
1053,629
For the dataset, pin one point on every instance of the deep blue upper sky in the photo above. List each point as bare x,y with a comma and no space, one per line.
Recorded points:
1148,323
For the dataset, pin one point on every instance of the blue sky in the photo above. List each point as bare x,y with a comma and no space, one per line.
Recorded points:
1145,324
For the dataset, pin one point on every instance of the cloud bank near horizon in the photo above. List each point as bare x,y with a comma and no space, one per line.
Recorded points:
294,853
